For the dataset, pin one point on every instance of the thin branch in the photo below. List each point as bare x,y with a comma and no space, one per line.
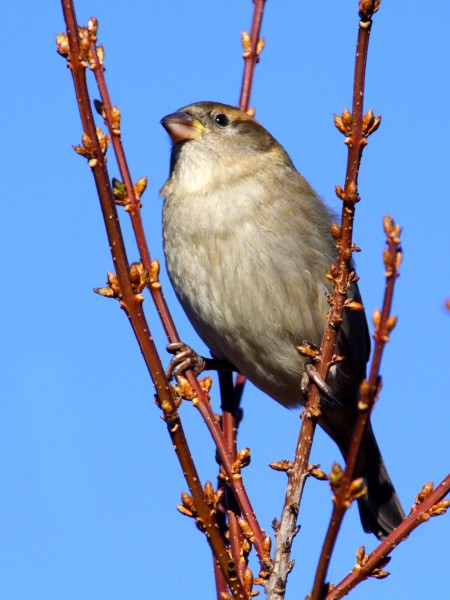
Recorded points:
75,47
428,504
231,396
253,46
229,428
233,477
286,529
356,128
221,584
111,116
152,268
384,324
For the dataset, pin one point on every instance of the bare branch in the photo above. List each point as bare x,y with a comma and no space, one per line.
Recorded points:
425,507
76,47
348,488
253,46
355,127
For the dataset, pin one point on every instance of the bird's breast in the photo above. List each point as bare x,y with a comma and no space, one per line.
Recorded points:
242,286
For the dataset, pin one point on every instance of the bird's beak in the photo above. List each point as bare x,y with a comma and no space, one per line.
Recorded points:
181,126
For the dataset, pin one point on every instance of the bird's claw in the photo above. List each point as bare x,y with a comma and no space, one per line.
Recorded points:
325,391
185,358
305,385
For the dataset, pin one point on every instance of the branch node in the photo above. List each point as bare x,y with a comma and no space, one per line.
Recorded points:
335,477
62,45
367,8
309,350
370,123
246,44
281,465
267,546
187,507
314,471
138,277
112,290
344,123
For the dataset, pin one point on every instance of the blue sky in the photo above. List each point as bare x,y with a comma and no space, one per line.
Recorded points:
89,479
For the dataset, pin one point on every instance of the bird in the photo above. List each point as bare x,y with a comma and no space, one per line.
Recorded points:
248,244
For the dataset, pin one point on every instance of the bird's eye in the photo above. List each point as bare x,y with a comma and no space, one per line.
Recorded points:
221,120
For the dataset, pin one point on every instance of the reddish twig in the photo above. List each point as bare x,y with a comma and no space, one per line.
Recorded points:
132,202
229,428
356,129
253,46
428,504
233,476
231,397
221,583
384,324
75,47
132,205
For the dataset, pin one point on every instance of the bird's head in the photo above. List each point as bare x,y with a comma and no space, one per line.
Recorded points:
220,141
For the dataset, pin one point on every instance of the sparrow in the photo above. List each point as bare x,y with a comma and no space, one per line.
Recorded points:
247,244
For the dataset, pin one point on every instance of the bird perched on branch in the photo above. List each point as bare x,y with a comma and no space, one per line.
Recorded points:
248,246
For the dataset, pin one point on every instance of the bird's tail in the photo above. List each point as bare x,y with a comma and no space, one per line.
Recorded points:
380,509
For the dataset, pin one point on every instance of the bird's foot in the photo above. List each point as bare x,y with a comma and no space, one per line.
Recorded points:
325,391
184,358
